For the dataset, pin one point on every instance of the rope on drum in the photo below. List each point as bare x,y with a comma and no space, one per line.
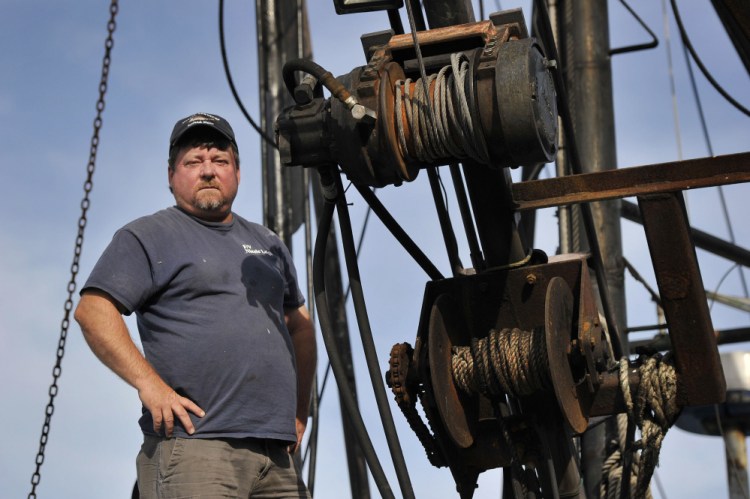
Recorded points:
508,361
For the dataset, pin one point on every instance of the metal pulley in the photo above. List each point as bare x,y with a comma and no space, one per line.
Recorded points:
488,99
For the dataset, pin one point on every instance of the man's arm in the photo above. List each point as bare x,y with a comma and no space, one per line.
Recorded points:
108,336
302,333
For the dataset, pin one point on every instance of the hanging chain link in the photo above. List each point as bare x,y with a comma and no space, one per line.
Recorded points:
87,186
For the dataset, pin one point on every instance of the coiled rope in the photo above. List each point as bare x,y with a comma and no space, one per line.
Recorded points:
654,411
509,361
612,469
439,121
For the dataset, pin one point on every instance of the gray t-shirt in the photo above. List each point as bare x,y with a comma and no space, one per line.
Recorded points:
209,300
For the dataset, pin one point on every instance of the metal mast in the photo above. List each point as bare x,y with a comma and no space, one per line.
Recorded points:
584,49
283,35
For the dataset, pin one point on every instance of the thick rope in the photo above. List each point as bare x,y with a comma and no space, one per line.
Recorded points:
654,410
611,486
510,361
439,120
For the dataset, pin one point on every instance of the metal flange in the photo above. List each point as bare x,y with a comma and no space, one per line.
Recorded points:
559,333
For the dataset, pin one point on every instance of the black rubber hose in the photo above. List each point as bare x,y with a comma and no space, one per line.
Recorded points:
324,317
324,77
230,80
368,344
399,233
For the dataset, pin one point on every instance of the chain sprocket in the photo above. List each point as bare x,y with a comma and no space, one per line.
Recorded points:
406,389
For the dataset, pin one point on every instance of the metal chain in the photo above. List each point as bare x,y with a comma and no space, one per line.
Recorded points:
406,398
87,186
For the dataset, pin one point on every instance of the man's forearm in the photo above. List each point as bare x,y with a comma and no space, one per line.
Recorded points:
108,337
305,351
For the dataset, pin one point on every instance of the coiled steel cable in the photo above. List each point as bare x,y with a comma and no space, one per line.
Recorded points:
439,122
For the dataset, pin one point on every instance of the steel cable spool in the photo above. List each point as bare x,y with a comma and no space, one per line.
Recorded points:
487,97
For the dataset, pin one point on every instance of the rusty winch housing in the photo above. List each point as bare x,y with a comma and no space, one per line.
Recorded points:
490,100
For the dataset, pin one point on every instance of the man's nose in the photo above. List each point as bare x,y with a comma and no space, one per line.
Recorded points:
208,169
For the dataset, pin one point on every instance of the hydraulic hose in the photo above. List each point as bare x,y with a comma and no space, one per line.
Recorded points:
324,317
324,77
368,344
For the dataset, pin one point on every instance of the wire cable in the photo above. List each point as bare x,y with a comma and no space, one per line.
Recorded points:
672,88
709,147
641,46
230,80
699,63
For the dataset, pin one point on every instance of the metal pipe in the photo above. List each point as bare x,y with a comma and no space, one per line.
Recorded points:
736,454
702,240
587,109
576,167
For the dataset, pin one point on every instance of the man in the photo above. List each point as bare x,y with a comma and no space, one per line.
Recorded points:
229,349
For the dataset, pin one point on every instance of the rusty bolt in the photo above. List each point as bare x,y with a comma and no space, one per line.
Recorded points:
572,346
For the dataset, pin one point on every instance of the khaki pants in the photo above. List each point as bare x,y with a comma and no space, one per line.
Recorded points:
239,468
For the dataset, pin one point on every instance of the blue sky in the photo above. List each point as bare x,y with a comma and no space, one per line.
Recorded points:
166,65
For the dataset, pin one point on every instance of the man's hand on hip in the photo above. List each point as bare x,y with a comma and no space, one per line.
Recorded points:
165,405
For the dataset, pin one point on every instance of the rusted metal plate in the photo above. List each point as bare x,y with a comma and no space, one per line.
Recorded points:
700,376
635,181
457,418
483,31
558,329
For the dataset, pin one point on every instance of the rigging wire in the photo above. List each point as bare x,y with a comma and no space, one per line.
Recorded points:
707,138
672,88
659,486
699,63
230,80
641,46
82,220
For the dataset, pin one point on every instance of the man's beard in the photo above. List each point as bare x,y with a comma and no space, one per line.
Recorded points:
209,203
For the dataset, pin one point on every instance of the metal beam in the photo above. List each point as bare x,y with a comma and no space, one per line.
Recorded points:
702,240
634,181
700,376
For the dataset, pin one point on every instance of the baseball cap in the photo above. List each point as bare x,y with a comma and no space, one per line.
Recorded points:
202,119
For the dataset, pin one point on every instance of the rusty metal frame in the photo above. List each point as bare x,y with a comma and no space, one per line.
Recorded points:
634,181
658,188
701,379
